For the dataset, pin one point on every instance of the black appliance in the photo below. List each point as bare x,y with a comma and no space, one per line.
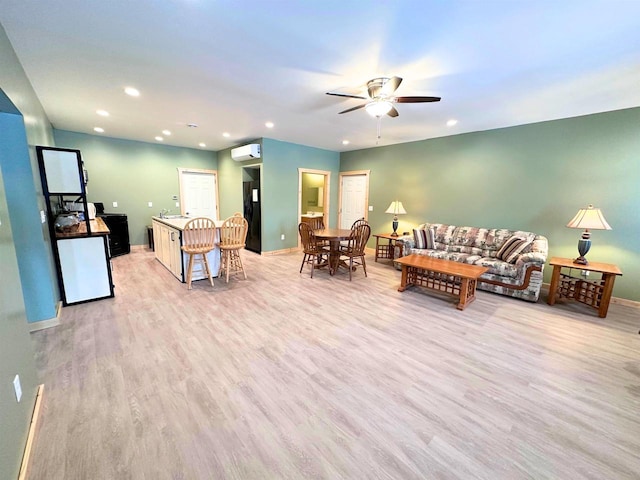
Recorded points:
119,236
251,208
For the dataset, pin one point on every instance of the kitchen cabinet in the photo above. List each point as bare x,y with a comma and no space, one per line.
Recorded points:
167,235
168,243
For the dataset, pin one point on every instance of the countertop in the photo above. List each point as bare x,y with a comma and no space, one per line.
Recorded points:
179,223
312,215
98,227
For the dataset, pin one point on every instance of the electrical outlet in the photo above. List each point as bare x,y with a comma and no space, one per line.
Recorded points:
585,273
18,388
282,237
371,208
150,204
177,204
115,204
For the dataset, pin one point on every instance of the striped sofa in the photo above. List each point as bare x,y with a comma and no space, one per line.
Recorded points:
515,259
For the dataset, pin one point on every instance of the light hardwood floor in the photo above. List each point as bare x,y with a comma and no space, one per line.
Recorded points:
286,377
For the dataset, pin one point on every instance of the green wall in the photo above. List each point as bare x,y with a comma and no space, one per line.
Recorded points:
230,182
133,174
532,177
16,355
281,161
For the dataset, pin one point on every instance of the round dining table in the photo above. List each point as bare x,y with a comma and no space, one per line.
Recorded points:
334,236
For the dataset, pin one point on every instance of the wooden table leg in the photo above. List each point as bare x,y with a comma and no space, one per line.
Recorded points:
606,294
403,282
376,257
553,288
466,297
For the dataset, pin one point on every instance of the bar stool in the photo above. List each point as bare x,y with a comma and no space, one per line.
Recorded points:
198,237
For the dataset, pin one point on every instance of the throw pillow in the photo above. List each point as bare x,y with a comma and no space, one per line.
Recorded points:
424,238
510,249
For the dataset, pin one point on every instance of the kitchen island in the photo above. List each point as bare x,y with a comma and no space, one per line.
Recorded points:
168,239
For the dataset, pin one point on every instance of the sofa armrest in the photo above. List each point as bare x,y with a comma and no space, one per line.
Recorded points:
535,258
406,243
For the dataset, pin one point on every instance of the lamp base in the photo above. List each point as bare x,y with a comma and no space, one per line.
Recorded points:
394,224
584,244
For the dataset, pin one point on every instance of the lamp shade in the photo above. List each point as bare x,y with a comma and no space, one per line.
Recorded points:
589,218
378,108
396,208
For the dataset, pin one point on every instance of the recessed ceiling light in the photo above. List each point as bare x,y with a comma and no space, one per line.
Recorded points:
159,138
226,134
98,129
345,142
132,92
269,124
192,125
451,123
202,144
166,132
102,113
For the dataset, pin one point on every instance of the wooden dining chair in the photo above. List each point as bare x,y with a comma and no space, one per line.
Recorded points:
314,252
316,223
358,222
198,238
354,250
233,236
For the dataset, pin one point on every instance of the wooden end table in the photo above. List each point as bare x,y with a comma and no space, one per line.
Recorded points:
595,293
385,250
445,276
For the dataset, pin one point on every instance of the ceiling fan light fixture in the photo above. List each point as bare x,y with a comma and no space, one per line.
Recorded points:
378,108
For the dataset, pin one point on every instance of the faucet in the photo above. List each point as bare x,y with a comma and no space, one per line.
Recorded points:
164,212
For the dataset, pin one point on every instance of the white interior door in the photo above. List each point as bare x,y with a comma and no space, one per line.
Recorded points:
354,197
199,193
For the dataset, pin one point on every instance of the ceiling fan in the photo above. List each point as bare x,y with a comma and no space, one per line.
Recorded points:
381,98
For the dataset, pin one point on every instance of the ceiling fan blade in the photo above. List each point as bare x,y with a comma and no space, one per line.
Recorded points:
354,108
393,112
416,99
392,84
347,95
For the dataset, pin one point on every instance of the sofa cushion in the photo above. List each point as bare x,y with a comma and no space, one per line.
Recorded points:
424,238
512,248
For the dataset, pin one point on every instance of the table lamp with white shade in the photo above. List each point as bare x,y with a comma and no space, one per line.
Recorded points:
587,218
396,209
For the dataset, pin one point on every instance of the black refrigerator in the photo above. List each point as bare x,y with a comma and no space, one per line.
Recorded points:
251,208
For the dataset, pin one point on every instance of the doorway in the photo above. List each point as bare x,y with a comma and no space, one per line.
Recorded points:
353,197
251,207
198,192
313,195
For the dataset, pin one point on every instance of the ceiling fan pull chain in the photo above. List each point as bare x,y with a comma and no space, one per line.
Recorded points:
378,130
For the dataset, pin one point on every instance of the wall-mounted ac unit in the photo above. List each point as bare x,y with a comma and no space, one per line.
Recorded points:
246,152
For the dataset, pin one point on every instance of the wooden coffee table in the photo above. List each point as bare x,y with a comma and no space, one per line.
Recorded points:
454,278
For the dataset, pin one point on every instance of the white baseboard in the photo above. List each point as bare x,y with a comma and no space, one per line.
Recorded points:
52,322
33,427
280,252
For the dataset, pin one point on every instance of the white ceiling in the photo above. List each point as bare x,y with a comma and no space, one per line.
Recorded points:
232,65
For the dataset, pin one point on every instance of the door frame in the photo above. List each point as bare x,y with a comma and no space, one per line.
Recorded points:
353,173
326,195
198,170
